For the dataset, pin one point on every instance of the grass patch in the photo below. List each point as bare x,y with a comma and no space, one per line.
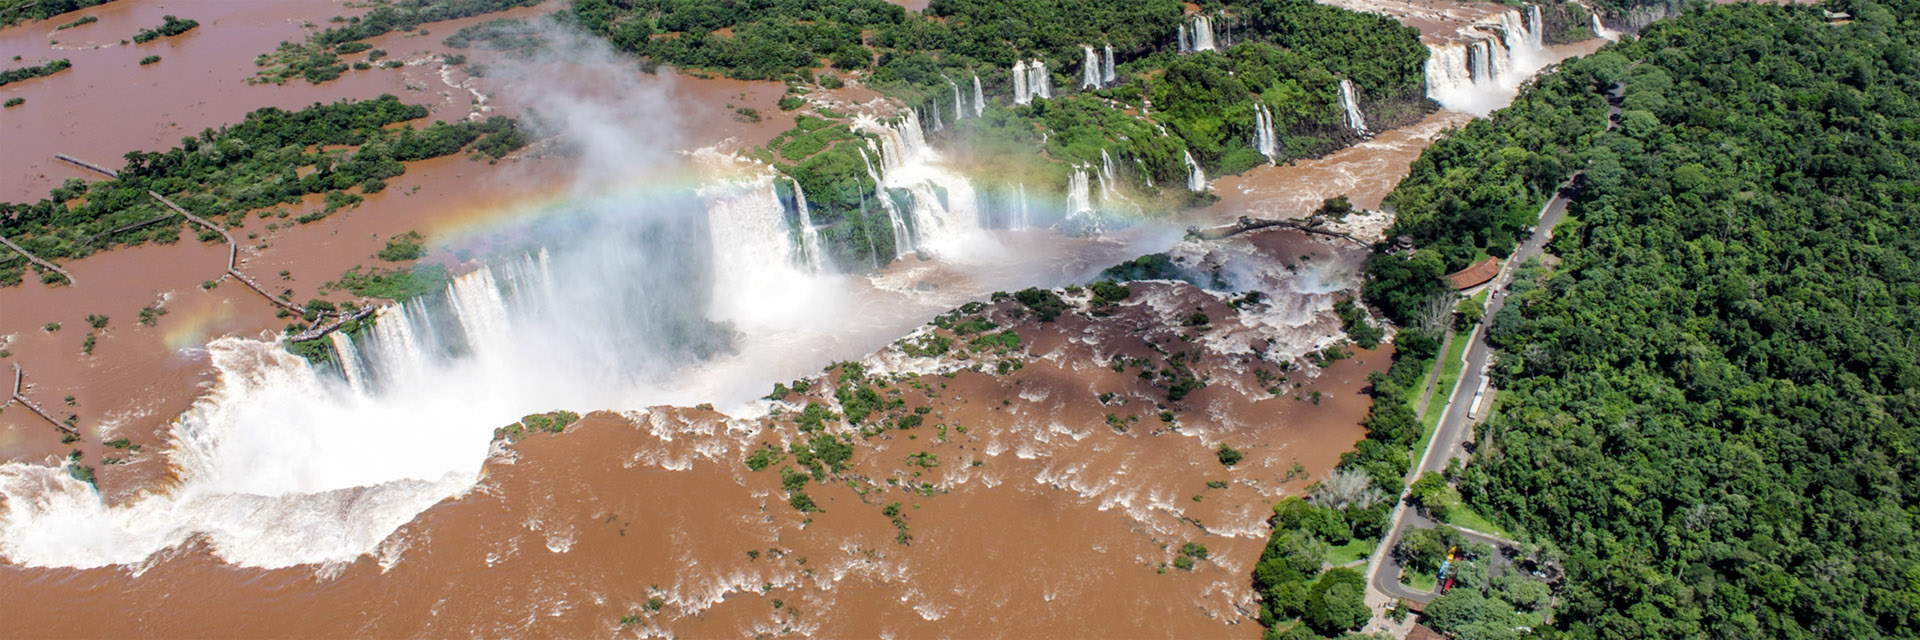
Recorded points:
1466,517
1450,368
1420,581
1358,549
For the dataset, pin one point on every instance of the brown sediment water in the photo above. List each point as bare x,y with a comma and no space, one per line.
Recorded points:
1364,172
1065,522
138,378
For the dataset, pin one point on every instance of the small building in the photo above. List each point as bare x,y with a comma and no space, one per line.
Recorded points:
1474,275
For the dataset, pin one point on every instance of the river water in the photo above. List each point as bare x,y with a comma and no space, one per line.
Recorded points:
266,484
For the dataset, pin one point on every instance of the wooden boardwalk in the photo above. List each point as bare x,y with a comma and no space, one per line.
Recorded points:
233,256
36,260
20,397
88,165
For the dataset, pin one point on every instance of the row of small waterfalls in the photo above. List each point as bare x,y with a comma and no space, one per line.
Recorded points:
765,221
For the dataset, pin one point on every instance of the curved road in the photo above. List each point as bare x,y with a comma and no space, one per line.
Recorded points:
1450,437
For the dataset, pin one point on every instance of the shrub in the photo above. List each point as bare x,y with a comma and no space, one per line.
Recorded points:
403,247
1228,455
149,60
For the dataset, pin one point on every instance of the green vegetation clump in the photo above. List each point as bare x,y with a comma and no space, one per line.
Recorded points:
1228,455
24,73
403,247
1046,304
317,59
84,20
764,457
271,158
170,26
500,34
1710,406
16,101
1354,320
149,60
397,284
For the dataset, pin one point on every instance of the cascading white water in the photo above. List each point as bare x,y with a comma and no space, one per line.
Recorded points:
809,237
1039,80
1089,68
1350,102
1264,139
1536,29
1026,217
1196,178
1202,33
749,239
1110,73
1021,93
959,110
1483,68
979,98
1109,187
349,358
945,209
1600,30
903,242
1079,193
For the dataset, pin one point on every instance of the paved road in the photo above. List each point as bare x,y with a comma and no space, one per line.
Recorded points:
1383,573
1455,428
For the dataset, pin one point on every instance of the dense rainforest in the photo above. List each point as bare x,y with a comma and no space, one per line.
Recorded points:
1286,57
1710,403
266,164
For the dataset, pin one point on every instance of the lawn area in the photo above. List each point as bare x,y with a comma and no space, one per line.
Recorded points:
1465,517
1449,372
1419,581
1349,552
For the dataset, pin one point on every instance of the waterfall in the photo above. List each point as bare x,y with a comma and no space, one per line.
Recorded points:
1026,217
1089,68
944,209
1079,196
1106,166
749,231
1202,33
979,98
477,303
902,236
1536,29
1351,103
1264,139
959,110
1107,78
1600,30
1039,81
396,345
1144,173
1482,68
1021,94
809,238
1186,43
349,357
1196,178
